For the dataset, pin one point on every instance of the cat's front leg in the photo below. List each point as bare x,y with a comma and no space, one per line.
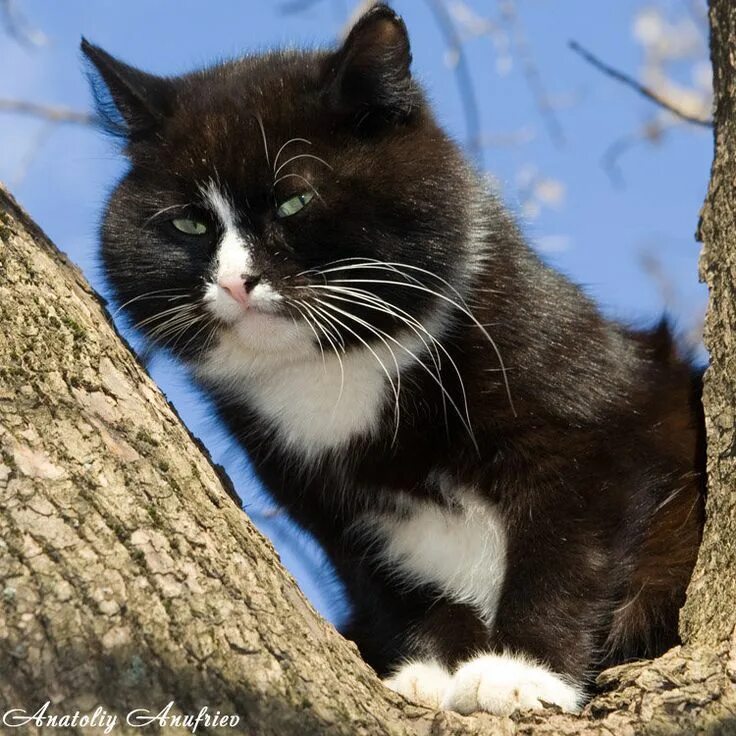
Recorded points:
537,654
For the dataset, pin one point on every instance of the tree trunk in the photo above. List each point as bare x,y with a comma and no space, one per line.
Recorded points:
130,578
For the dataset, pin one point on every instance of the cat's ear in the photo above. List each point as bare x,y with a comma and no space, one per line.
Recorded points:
371,71
130,103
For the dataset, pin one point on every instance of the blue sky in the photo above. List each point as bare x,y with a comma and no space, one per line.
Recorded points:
591,229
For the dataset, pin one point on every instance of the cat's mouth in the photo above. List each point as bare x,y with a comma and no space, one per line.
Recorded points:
261,324
260,331
230,305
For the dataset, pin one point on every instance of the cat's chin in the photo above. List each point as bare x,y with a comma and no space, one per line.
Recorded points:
261,332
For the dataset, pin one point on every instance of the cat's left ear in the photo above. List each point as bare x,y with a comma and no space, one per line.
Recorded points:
130,103
371,71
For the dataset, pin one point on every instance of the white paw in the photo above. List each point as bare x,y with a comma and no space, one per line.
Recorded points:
422,682
501,684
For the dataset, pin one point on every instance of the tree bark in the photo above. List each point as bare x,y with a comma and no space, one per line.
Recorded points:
129,578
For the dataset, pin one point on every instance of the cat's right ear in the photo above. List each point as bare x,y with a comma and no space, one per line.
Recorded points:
370,73
130,103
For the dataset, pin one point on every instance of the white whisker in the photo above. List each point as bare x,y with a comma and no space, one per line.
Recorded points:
395,386
206,324
160,212
311,327
421,363
369,301
457,306
180,308
335,350
415,325
156,294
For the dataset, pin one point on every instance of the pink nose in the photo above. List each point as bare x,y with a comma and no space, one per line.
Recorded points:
239,287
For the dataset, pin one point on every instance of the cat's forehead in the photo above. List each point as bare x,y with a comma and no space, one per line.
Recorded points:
276,87
241,114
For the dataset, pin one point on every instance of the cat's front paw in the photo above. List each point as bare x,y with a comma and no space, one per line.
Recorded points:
422,682
501,684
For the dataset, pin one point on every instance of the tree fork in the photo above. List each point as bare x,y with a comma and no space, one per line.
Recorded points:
129,578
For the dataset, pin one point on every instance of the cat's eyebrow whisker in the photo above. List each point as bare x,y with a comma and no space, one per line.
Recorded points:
298,156
160,212
305,180
395,385
288,143
259,119
464,310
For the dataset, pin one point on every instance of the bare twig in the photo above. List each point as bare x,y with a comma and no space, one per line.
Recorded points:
610,159
511,139
297,6
32,151
637,86
463,76
50,113
532,74
17,27
652,132
455,46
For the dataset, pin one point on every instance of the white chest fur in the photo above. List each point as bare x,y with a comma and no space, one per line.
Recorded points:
461,551
316,405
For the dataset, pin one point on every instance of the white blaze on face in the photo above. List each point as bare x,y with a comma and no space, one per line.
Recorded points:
233,262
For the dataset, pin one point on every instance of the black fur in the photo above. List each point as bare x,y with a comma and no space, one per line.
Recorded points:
589,443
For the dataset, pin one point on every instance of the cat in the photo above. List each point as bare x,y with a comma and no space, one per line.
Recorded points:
509,485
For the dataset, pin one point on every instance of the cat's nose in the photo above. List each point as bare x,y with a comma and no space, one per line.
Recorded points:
239,287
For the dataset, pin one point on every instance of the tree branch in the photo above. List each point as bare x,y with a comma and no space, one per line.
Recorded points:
51,113
17,27
637,86
532,74
463,76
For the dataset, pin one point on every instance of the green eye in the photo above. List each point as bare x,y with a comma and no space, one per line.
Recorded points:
189,227
293,205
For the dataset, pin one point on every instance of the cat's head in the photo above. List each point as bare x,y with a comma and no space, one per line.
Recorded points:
290,199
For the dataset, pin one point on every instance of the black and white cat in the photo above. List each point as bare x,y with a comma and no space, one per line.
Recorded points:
508,484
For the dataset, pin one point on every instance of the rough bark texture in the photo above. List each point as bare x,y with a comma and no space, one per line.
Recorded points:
129,578
710,614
